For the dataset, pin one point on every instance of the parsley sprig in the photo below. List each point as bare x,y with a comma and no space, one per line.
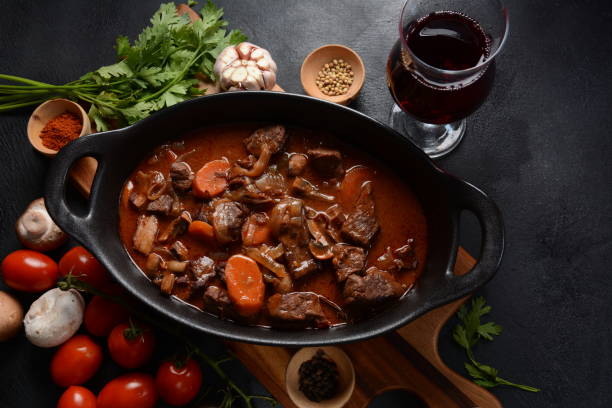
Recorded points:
155,71
468,333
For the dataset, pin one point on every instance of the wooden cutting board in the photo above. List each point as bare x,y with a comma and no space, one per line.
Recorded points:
405,359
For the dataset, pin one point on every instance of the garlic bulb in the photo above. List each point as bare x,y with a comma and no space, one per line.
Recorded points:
245,67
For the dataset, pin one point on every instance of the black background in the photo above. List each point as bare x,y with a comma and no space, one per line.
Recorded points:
541,146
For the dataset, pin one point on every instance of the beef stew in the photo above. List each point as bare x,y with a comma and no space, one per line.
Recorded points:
333,235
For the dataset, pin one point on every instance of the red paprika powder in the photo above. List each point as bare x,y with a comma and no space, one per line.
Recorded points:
61,130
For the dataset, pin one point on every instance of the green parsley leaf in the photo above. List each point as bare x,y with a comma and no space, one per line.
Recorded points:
156,70
469,332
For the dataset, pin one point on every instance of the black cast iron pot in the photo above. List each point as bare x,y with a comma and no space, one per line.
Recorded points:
118,152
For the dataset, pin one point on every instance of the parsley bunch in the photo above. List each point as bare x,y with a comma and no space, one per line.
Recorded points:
156,71
469,333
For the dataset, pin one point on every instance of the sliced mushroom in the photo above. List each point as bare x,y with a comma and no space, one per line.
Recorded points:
177,226
258,168
179,250
36,230
153,263
321,246
156,185
305,188
177,267
167,283
282,281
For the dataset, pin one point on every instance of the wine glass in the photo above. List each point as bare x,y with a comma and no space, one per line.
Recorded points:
442,68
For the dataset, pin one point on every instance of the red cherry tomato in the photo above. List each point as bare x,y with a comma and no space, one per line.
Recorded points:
76,361
29,271
178,385
83,265
134,390
131,346
77,397
102,315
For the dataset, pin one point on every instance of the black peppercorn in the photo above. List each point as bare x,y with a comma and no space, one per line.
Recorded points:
319,377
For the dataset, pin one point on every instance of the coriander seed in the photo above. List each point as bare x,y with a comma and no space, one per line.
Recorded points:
335,78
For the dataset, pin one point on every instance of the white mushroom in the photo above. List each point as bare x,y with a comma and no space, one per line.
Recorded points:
54,317
11,314
36,230
245,67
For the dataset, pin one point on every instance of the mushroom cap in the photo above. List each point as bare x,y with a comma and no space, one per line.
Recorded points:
54,317
11,315
36,230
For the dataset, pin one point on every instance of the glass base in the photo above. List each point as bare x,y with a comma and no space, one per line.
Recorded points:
435,140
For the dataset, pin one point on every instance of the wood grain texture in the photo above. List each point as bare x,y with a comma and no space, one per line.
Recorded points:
407,359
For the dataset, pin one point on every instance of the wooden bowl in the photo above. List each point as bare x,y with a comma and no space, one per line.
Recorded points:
318,58
345,368
49,110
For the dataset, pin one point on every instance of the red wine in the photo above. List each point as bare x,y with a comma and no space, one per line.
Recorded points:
448,41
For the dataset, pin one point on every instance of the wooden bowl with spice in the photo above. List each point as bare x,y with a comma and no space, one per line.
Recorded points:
320,377
333,72
55,123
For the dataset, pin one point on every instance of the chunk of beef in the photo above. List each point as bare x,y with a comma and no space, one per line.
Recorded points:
288,224
297,164
348,260
272,136
272,183
181,175
227,220
217,301
403,257
204,213
179,251
162,205
138,200
327,162
167,283
146,232
297,308
201,271
361,225
374,288
242,189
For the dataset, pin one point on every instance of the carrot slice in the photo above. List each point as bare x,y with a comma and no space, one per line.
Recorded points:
202,230
351,185
210,180
254,232
245,285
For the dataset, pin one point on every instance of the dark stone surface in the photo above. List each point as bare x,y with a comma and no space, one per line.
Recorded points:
539,146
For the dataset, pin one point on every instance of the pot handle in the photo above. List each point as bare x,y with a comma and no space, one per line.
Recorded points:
62,210
465,196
